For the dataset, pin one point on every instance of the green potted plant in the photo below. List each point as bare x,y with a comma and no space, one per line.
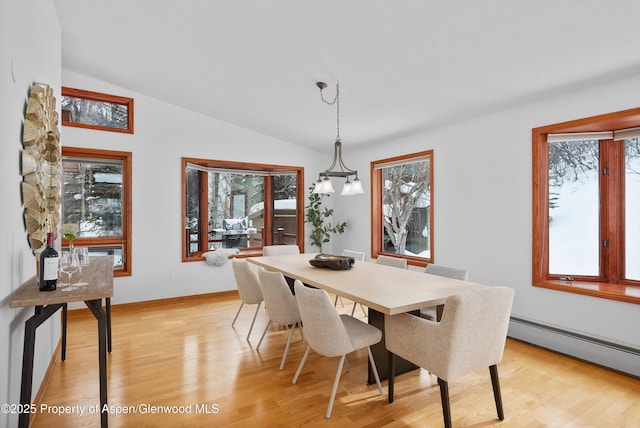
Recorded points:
318,216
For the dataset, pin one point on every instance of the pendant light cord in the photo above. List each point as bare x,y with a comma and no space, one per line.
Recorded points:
335,101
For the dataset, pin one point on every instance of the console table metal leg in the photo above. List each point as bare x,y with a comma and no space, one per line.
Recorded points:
64,332
95,306
30,326
108,310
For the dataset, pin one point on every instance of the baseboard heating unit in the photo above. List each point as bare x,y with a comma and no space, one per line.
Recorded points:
611,355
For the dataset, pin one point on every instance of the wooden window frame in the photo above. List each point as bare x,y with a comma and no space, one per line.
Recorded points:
125,240
609,285
268,207
98,96
376,210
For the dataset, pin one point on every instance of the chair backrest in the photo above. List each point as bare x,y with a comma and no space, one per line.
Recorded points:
247,281
446,271
280,250
324,330
473,330
280,304
358,255
392,261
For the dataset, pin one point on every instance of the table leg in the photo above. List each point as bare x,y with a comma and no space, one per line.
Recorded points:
95,306
108,310
379,351
64,331
30,326
392,370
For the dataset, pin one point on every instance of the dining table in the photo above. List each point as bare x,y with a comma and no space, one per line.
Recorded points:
385,290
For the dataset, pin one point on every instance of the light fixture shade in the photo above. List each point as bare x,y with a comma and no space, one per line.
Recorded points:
347,189
356,187
317,187
326,186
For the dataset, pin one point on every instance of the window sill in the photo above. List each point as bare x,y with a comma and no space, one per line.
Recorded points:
245,254
603,290
240,255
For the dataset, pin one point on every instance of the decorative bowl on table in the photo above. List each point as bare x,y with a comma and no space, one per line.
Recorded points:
329,261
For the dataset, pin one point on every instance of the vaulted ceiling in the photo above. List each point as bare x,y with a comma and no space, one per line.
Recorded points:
403,66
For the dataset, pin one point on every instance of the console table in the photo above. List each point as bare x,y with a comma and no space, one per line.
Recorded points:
99,276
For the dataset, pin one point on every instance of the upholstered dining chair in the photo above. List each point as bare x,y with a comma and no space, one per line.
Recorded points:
358,255
280,250
470,336
281,306
392,261
445,271
332,335
248,288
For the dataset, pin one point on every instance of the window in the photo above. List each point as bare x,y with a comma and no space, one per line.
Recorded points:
402,208
586,206
93,110
96,196
240,205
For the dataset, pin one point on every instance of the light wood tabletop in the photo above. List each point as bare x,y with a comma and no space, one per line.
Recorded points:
386,289
100,286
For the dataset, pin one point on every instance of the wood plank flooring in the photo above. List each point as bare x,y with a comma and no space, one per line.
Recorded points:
185,353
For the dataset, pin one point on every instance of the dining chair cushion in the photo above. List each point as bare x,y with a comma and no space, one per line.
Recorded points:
360,333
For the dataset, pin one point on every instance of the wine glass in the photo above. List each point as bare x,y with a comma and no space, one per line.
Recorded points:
68,264
83,261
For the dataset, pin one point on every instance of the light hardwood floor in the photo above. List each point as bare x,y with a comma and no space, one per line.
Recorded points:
185,353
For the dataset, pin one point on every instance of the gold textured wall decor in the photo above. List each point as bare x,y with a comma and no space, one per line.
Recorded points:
40,166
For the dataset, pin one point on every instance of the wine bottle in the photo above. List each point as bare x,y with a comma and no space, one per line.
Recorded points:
48,266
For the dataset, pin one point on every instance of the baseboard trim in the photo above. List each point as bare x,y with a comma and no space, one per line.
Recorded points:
219,295
603,353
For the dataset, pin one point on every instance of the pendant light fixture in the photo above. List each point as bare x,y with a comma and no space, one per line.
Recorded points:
337,168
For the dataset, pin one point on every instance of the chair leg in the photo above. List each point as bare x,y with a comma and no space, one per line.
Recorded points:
444,397
286,348
363,310
353,310
335,387
496,390
263,333
237,313
375,369
304,358
254,320
391,367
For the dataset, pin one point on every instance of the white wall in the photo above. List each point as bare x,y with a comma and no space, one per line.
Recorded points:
482,198
29,52
164,133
